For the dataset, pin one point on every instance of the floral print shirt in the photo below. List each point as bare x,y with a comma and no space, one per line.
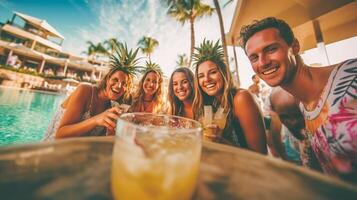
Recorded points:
332,125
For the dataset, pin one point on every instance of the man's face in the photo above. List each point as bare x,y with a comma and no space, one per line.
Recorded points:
271,57
256,79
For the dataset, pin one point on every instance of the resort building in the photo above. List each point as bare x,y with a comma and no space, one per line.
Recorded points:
31,44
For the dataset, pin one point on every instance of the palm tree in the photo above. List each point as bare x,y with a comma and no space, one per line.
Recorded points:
90,50
236,62
111,44
182,60
147,45
151,66
188,10
95,49
223,37
126,59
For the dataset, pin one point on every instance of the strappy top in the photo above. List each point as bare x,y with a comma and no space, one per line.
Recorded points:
54,124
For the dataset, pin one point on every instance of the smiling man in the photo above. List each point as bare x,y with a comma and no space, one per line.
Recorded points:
328,95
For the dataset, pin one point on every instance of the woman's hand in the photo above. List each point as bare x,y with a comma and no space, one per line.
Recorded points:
212,133
108,118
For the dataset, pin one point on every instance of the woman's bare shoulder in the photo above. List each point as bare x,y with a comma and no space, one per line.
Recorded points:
82,91
242,95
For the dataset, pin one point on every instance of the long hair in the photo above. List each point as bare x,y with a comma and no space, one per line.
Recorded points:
175,103
201,98
126,97
138,101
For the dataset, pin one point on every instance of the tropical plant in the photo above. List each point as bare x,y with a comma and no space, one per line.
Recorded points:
188,10
148,45
126,59
182,60
208,51
95,49
90,49
151,66
111,44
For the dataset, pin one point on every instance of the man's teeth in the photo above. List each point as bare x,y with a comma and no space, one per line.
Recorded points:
270,71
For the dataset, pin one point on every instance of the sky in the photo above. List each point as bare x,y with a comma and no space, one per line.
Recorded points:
128,20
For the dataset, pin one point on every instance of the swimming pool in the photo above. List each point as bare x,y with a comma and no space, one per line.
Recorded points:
25,114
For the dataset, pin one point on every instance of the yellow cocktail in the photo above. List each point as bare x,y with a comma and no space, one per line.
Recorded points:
156,162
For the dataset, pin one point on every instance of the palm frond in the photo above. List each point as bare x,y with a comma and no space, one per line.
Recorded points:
148,44
151,66
208,51
347,85
182,61
126,59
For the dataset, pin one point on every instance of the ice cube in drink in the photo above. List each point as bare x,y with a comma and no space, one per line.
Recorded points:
162,162
167,170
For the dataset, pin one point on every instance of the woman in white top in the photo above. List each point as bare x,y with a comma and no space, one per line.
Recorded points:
87,111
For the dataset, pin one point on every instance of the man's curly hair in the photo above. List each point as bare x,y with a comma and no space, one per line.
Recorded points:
284,29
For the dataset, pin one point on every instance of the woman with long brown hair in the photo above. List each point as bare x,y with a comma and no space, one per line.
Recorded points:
244,125
181,92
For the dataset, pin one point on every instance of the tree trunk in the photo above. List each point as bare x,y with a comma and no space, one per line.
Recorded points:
192,40
236,62
223,37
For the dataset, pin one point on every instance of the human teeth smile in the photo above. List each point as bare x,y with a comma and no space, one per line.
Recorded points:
115,91
210,86
270,71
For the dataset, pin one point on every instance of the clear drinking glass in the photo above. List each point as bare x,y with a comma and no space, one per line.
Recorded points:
155,157
219,118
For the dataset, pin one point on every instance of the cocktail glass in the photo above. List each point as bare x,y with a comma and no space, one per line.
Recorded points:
155,157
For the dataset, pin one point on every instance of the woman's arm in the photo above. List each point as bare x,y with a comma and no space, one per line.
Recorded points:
274,137
251,121
71,124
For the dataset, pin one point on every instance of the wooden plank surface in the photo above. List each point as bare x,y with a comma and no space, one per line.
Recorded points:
80,169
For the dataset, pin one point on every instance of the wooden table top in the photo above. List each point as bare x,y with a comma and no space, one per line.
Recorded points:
80,169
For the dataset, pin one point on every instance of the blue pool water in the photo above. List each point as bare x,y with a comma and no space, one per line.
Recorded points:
25,115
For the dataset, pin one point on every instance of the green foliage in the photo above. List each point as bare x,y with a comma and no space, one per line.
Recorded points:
111,44
21,70
126,59
182,60
151,66
208,51
94,49
147,45
186,10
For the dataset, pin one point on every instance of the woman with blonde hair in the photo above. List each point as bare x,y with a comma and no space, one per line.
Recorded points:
244,125
181,92
87,111
149,97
